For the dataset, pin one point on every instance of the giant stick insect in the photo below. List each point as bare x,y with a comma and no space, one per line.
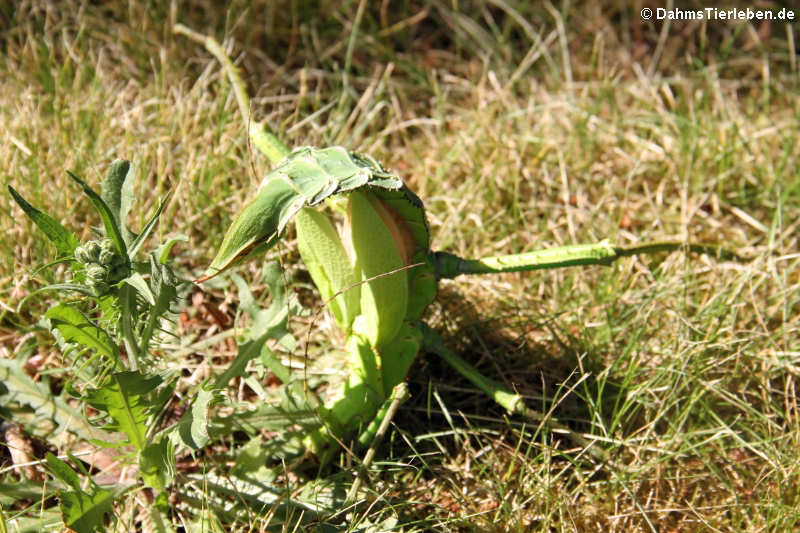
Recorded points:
376,273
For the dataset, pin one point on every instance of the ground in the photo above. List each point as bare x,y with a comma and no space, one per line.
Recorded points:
521,127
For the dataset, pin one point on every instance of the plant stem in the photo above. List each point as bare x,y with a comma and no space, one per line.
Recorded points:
512,402
602,253
127,309
147,333
263,139
375,433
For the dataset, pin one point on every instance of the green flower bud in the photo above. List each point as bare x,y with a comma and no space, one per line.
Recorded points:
100,288
92,250
95,273
81,255
106,257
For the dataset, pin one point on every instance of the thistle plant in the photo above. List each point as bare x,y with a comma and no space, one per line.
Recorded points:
364,237
107,271
108,330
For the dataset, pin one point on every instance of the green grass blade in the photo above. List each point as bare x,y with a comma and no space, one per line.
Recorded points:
712,250
137,243
375,432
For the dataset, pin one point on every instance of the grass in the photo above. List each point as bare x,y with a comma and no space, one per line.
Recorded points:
521,128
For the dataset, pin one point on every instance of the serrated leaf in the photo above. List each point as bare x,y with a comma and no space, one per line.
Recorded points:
62,471
206,520
44,520
251,461
136,281
85,512
73,287
271,321
75,327
192,427
109,222
296,407
158,523
116,190
22,390
126,399
82,511
22,489
157,464
164,285
64,241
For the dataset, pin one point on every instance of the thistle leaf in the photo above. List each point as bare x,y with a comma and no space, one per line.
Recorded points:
148,228
64,241
192,428
82,511
126,399
18,388
138,282
269,323
116,190
157,464
75,327
110,223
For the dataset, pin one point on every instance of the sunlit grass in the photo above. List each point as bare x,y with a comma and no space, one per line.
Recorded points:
519,132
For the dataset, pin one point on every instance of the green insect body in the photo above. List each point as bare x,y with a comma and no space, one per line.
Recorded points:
379,262
377,276
329,264
384,336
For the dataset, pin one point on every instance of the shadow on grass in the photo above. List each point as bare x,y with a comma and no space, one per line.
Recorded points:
537,356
